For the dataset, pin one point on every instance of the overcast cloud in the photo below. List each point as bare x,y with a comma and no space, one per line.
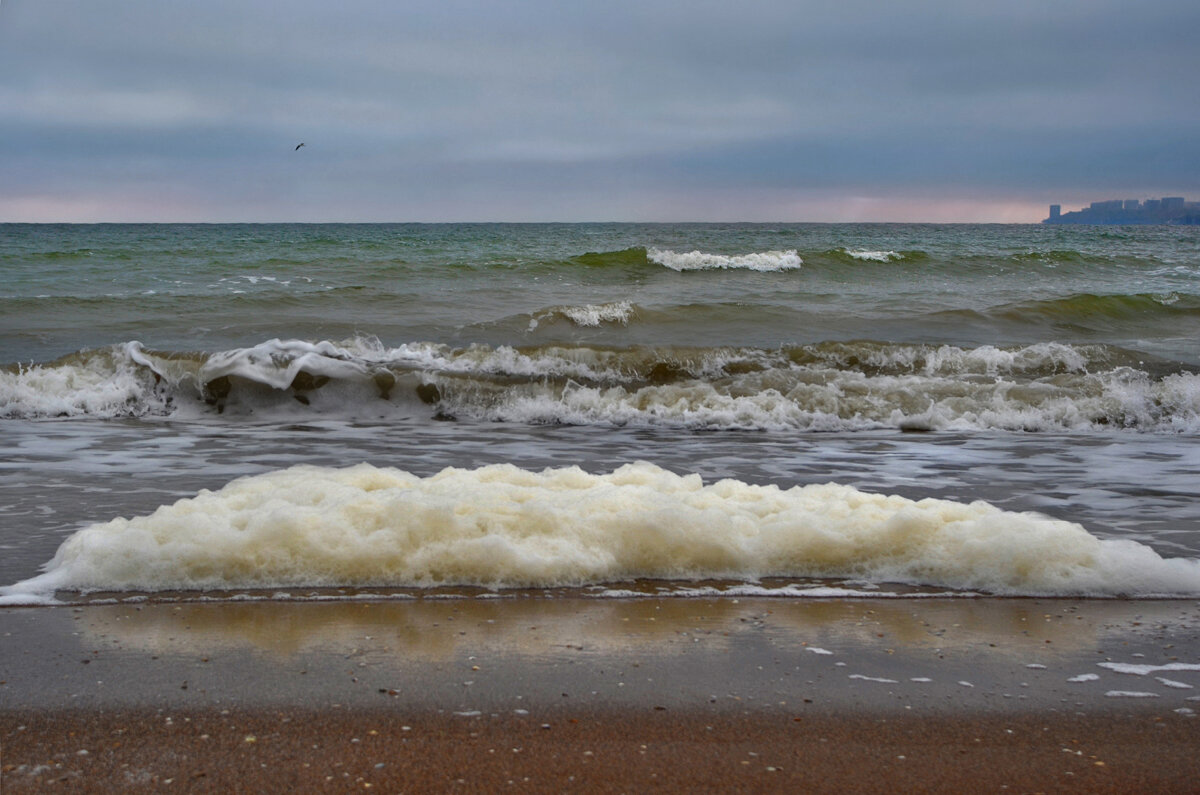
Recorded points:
473,110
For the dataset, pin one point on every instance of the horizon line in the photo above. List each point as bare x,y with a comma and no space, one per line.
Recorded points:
511,223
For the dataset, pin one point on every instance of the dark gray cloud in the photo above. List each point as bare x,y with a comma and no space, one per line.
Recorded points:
622,110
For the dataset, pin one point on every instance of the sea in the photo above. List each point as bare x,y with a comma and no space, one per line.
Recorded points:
406,411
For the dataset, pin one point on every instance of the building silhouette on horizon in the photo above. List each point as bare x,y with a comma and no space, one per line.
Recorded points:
1167,210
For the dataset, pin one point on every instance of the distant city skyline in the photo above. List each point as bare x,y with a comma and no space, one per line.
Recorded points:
766,110
1164,210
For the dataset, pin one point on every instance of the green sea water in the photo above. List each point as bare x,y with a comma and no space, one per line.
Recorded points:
214,287
1048,369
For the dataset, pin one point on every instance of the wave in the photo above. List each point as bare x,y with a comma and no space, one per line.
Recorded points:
1136,313
235,297
834,386
638,256
67,255
874,256
869,253
856,255
587,315
742,315
500,526
1052,255
766,261
1085,307
110,382
781,260
629,257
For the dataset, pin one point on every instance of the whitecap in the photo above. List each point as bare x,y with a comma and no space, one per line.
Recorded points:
874,256
764,261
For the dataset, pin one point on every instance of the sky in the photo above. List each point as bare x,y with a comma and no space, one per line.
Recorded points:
622,110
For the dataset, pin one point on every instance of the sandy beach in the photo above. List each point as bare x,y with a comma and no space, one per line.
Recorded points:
626,751
569,693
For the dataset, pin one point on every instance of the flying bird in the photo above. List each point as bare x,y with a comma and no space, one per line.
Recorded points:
297,149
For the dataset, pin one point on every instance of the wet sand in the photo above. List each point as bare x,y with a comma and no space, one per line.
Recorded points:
603,695
625,751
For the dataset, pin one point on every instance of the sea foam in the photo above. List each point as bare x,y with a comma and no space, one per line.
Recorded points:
117,381
502,526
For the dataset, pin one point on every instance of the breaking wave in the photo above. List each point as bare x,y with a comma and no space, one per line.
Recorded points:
874,256
588,315
501,526
823,387
119,381
765,261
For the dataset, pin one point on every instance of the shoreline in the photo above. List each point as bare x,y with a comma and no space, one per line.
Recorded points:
830,693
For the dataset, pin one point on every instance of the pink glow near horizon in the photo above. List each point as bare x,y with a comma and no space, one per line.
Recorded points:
923,210
90,210
45,209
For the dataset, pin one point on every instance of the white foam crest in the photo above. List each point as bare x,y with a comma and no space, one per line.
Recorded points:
585,363
595,314
503,526
841,400
1044,387
691,405
943,391
591,364
417,355
117,382
991,360
1174,402
764,261
276,362
588,315
874,256
984,360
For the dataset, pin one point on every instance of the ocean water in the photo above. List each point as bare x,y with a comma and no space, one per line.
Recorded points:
333,411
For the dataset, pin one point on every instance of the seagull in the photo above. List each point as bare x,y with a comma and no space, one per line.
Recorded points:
297,149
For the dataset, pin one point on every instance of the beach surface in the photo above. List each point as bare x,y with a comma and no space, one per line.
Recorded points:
563,692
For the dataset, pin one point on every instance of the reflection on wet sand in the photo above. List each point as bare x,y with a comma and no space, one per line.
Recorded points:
439,629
